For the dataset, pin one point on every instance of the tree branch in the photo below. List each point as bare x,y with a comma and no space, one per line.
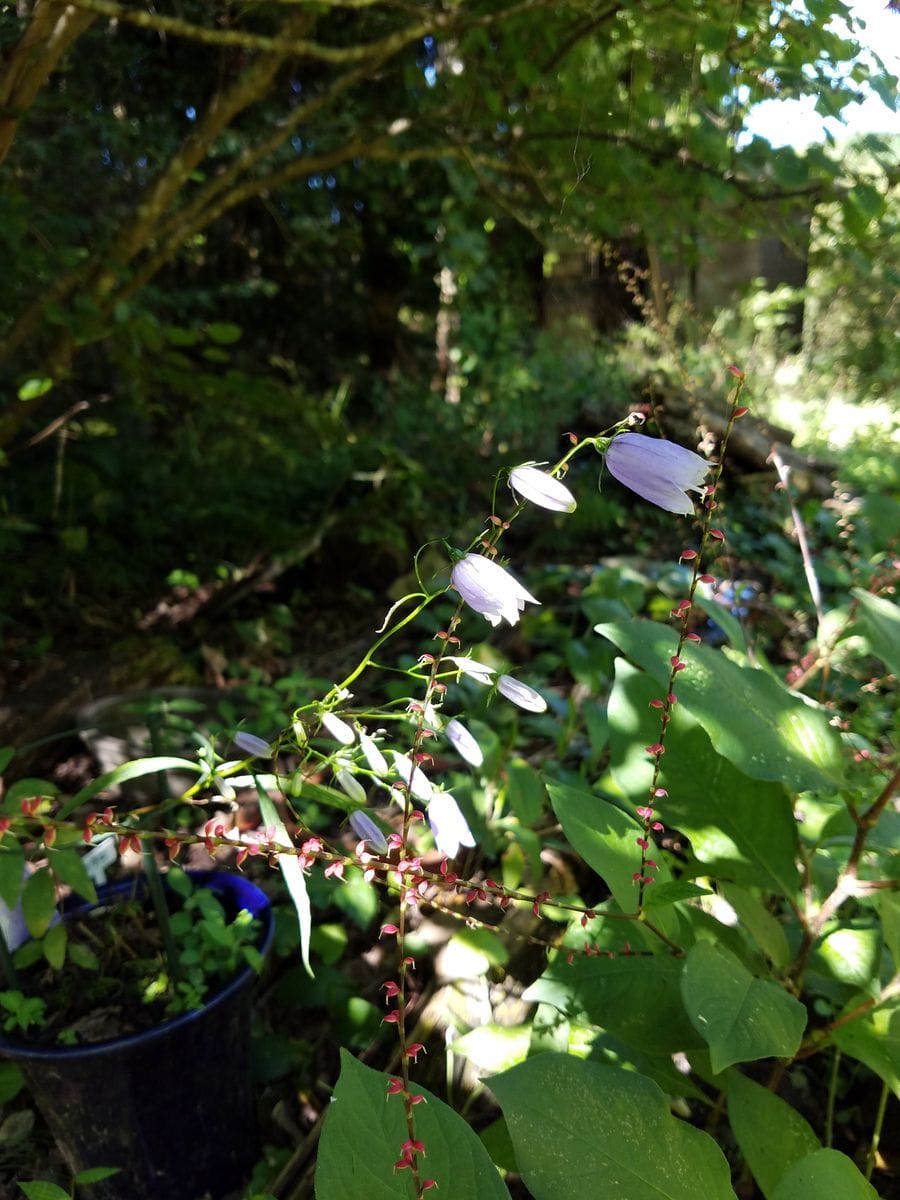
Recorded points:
52,29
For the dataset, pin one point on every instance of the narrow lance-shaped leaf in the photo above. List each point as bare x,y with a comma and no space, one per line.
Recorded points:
291,871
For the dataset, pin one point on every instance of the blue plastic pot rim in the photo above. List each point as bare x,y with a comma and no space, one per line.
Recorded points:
20,1050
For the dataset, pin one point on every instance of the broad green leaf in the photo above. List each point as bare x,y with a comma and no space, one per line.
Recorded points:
292,873
524,790
771,1134
751,719
874,1039
7,754
493,1047
67,865
741,1018
888,904
365,1129
670,893
740,828
606,838
135,769
584,1130
224,333
881,624
764,929
624,995
11,1081
55,940
12,864
26,789
39,902
33,389
42,1189
852,956
825,1173
96,1174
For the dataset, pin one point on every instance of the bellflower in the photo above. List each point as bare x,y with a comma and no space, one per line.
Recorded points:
367,831
348,783
521,694
339,730
463,743
448,825
659,471
252,745
541,488
472,669
373,756
419,786
489,589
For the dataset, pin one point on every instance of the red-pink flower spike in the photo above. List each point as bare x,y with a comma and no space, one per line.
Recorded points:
394,1086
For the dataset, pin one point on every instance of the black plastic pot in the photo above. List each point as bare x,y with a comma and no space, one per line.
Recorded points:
173,1106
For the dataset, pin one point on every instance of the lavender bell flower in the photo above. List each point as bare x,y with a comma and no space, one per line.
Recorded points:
373,756
448,825
541,488
252,745
662,472
339,730
521,694
350,784
419,786
463,743
367,831
489,589
472,669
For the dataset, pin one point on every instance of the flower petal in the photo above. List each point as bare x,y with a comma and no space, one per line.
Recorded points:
339,730
252,745
521,694
489,589
418,783
659,471
448,825
541,488
464,743
472,669
367,831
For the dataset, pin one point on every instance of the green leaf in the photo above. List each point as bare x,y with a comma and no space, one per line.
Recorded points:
741,1018
224,333
852,956
7,754
771,1134
39,902
524,790
12,865
739,828
42,1189
68,866
888,905
606,838
363,1133
751,719
135,769
292,872
33,389
874,1039
624,995
11,1082
881,624
670,893
27,789
55,941
824,1173
96,1174
760,924
582,1129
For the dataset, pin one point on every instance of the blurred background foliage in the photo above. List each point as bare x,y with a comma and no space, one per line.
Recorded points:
285,284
